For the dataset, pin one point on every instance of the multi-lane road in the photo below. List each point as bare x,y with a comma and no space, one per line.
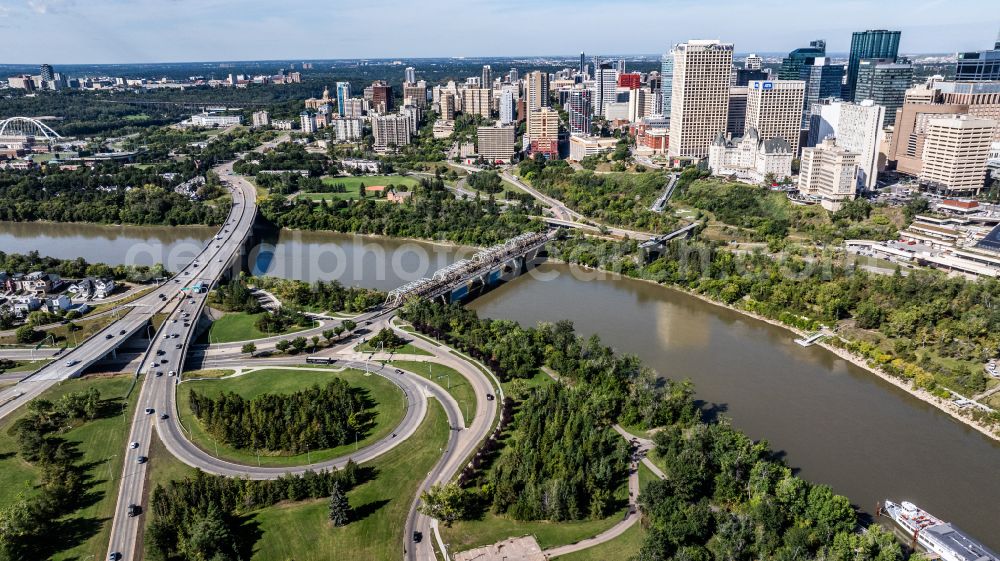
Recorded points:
164,359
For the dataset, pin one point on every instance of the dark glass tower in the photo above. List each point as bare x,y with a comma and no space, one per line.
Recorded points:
874,43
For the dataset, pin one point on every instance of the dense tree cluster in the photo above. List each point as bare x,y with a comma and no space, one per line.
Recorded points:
562,462
33,525
287,156
432,213
769,216
199,518
321,296
316,418
486,181
104,194
77,268
725,496
617,199
236,296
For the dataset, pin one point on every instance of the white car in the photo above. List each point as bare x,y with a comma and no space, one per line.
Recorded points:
172,373
72,363
133,445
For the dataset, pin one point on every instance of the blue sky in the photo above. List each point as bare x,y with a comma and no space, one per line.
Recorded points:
122,31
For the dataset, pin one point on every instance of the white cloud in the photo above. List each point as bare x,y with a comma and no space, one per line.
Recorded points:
43,7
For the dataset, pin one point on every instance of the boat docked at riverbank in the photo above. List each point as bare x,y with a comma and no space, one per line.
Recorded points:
938,537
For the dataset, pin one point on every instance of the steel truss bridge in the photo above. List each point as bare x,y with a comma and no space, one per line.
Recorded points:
466,270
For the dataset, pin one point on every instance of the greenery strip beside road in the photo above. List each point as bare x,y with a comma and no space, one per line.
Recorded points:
447,378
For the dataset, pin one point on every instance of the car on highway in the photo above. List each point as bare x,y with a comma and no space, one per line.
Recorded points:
72,363
398,371
133,445
164,360
178,345
172,373
173,321
109,335
134,510
122,332
160,352
166,335
150,410
164,417
176,335
159,373
141,460
489,397
417,536
114,556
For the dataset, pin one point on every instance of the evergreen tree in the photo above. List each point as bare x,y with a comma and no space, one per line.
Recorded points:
340,507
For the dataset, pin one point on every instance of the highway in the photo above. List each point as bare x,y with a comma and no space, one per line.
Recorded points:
168,348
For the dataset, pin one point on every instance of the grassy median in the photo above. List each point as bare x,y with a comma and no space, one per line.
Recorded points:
390,406
302,532
459,387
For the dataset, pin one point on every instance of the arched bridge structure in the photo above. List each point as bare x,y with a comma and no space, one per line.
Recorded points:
26,127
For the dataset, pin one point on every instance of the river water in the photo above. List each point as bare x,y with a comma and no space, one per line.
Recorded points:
834,422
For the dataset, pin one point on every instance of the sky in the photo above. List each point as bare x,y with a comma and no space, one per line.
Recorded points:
129,31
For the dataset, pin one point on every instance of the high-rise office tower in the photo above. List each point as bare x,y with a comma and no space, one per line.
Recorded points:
513,76
381,96
774,109
508,111
955,153
874,43
476,101
823,80
737,120
343,94
753,62
605,84
621,66
583,64
792,65
537,91
411,75
580,110
857,127
666,82
885,82
979,66
46,72
699,99
487,79
744,76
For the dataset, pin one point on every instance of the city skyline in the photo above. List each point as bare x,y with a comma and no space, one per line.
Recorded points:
119,32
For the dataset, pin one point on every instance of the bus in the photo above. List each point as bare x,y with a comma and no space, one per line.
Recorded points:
320,360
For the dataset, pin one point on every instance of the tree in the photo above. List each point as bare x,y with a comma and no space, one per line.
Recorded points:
27,334
349,325
446,503
249,348
299,344
283,345
340,507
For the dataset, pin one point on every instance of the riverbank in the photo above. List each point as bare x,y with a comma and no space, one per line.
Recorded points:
947,406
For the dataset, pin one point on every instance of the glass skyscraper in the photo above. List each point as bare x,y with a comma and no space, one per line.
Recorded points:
885,82
343,94
791,65
874,43
666,81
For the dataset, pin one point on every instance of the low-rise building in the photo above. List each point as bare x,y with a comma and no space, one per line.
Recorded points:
582,146
751,158
496,143
214,120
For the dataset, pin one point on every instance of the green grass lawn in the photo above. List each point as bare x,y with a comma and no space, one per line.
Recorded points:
62,334
28,365
460,389
352,185
102,445
239,326
213,373
464,535
624,546
390,408
301,531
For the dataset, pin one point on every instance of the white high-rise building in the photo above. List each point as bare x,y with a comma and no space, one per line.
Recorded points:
828,171
753,62
307,122
774,108
605,83
508,110
857,127
411,75
261,119
699,97
391,131
955,153
347,129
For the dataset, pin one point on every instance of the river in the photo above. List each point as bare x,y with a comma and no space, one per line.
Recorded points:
832,421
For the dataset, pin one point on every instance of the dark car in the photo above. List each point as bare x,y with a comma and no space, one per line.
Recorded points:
134,510
489,397
122,332
109,335
160,352
141,459
179,345
417,536
164,417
